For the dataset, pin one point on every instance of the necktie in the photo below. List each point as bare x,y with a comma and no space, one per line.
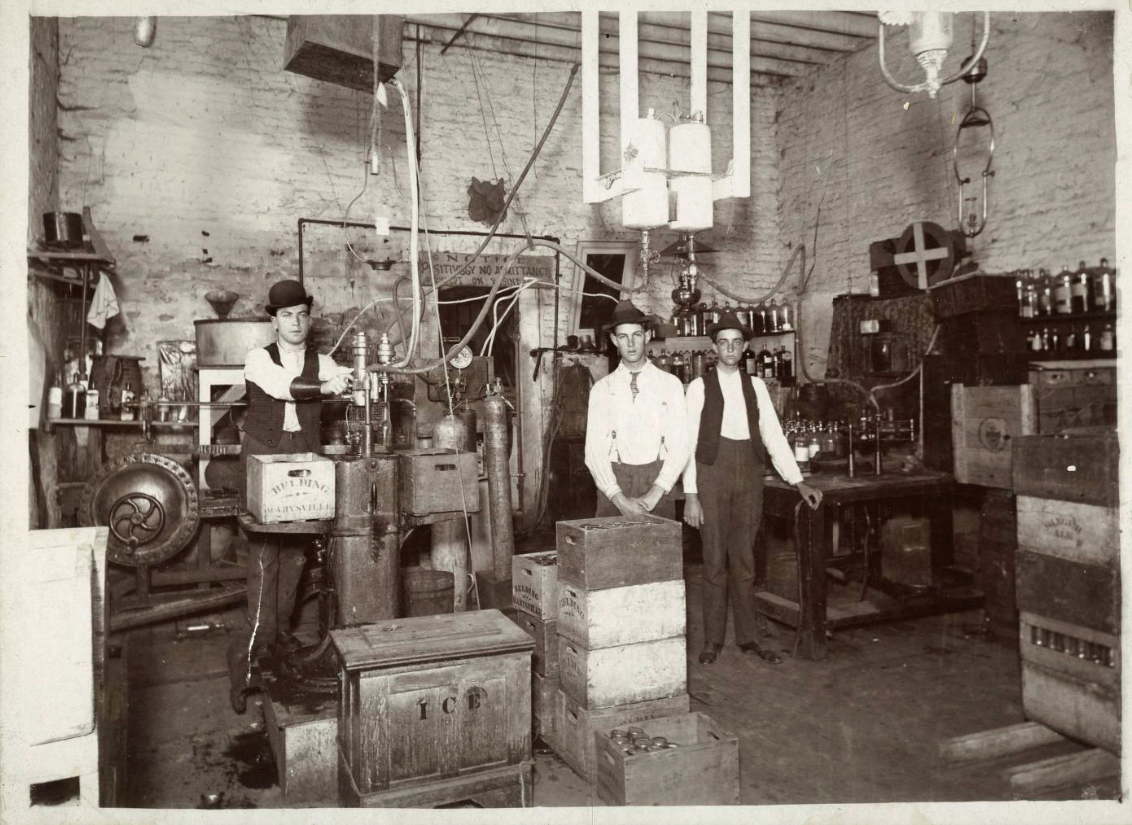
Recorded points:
633,384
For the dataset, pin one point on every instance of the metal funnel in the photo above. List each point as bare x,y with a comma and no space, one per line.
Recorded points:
222,301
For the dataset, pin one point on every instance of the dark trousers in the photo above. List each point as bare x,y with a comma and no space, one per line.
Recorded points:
635,480
275,565
731,494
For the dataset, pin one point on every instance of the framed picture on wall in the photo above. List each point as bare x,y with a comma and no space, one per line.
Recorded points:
617,261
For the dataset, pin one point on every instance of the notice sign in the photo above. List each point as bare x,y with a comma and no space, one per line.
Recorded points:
486,269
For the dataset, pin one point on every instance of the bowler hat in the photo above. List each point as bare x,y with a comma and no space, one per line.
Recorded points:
286,294
627,313
728,320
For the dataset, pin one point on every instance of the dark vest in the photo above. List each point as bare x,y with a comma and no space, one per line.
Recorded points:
264,421
711,419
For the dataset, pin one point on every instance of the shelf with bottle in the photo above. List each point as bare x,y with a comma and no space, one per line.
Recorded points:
690,364
1083,339
1084,294
771,318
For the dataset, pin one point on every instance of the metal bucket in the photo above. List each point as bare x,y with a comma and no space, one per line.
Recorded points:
225,342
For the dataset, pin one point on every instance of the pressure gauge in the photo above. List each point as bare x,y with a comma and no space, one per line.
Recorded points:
463,359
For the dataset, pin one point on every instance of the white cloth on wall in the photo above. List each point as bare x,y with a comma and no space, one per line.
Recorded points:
37,372
104,304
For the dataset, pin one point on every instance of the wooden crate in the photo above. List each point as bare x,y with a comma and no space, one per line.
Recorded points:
430,698
1081,468
618,551
971,293
611,676
291,487
704,770
575,726
984,422
438,481
509,786
534,584
1068,398
998,546
544,659
1075,696
544,690
338,48
1082,594
621,615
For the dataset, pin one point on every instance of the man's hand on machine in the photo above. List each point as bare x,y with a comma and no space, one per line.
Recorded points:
338,384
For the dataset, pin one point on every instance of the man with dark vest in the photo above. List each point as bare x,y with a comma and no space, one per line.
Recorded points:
733,430
285,383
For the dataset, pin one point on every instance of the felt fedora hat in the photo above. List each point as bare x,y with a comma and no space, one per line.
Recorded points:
286,294
626,312
728,320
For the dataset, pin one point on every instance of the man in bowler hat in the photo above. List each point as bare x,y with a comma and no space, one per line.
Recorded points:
636,436
733,430
285,384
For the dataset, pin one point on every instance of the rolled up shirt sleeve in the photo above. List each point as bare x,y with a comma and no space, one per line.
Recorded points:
329,368
777,447
598,441
267,375
694,407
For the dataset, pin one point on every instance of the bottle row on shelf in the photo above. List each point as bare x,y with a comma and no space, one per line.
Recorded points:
1086,290
1074,339
688,366
762,319
80,400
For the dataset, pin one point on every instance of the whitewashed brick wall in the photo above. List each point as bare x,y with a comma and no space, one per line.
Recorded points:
875,160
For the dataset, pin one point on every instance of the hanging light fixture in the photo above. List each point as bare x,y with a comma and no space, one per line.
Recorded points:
929,38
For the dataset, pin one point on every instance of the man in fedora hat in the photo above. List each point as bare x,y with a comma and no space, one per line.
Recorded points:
285,384
733,430
636,436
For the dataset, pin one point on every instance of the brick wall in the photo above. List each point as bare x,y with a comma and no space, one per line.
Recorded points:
875,160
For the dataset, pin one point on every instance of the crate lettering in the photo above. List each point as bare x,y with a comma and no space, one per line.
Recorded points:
450,705
1063,527
525,590
571,605
295,485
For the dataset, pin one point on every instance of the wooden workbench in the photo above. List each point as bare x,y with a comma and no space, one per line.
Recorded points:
815,537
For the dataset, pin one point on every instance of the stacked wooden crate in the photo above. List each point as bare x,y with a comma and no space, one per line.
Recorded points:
621,624
434,710
1068,584
534,594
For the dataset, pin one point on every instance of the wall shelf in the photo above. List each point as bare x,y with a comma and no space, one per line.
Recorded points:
1080,316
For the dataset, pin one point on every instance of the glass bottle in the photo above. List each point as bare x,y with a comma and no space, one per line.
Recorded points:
727,308
1079,291
1071,339
697,365
1020,288
815,442
787,314
758,319
1108,338
786,374
1062,292
1087,338
750,362
772,321
1035,340
663,362
701,321
678,367
1030,301
74,399
801,446
766,364
1104,296
1045,293
127,406
712,314
1045,340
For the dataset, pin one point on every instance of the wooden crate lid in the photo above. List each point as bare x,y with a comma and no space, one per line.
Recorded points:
614,522
429,639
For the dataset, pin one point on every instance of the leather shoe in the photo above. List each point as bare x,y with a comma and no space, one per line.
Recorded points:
709,654
238,697
764,653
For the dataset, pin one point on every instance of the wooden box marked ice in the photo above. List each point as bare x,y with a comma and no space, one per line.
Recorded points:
702,770
984,422
575,727
534,584
611,676
439,481
291,487
544,689
430,698
1071,679
621,615
618,551
544,659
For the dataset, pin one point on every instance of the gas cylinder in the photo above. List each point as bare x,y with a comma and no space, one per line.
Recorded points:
497,459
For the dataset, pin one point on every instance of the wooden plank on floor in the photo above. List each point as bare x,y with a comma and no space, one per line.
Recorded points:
990,744
1060,771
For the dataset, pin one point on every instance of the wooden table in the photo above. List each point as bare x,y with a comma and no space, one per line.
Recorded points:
815,536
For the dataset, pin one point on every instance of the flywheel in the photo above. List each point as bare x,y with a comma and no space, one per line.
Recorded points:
148,502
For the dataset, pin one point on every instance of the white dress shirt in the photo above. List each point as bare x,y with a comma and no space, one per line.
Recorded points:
735,426
636,431
276,380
